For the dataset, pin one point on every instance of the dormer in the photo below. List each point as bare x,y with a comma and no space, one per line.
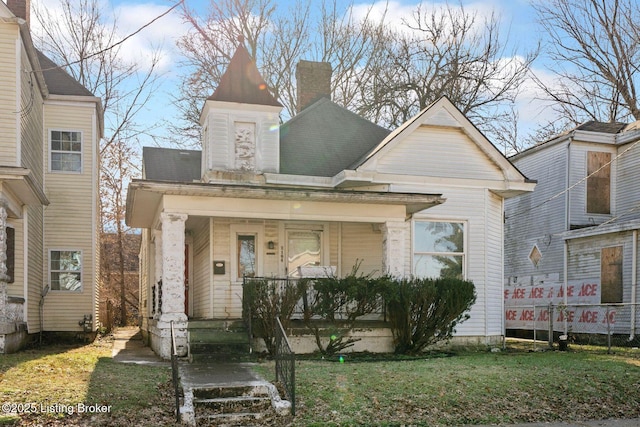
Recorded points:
240,123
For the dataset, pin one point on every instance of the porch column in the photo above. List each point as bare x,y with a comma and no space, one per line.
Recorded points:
172,260
393,247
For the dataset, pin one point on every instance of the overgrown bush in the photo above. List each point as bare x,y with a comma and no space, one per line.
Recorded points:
266,299
332,305
423,312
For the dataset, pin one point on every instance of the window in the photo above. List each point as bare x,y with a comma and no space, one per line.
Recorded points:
439,249
66,268
246,255
598,184
611,275
66,151
304,248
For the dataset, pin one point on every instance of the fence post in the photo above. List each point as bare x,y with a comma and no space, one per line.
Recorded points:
608,333
550,325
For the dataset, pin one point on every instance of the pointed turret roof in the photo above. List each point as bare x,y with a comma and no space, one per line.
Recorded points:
243,83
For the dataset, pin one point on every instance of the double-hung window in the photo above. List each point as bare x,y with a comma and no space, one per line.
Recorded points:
66,151
439,249
65,270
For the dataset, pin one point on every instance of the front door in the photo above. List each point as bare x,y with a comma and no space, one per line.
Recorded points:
304,248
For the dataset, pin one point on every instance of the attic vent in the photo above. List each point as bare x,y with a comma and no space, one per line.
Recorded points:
535,255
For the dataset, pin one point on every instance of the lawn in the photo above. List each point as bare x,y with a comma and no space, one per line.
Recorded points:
449,390
469,388
52,384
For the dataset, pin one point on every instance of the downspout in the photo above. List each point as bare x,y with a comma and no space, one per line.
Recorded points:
567,198
566,282
634,282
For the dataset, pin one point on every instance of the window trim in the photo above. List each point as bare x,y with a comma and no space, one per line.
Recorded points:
81,271
51,151
464,253
245,230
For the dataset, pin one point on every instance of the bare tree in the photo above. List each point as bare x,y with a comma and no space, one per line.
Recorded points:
447,51
88,47
385,73
594,46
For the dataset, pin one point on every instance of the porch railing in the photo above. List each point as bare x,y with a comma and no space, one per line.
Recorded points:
174,372
285,365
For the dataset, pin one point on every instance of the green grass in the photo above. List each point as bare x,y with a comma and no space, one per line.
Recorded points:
469,388
53,380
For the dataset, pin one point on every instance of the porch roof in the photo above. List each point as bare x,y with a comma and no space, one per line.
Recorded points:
144,197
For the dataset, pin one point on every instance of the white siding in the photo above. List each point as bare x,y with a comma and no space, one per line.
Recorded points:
362,243
200,287
627,194
219,150
584,258
530,221
578,195
438,152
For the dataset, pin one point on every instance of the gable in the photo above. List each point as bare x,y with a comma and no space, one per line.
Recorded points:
440,141
444,152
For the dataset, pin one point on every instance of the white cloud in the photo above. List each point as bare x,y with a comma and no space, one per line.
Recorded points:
158,36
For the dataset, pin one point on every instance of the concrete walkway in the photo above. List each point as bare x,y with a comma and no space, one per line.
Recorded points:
129,348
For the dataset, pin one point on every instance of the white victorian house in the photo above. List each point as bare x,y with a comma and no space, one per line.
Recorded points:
328,188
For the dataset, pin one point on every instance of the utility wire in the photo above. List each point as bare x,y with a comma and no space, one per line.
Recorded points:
117,43
555,196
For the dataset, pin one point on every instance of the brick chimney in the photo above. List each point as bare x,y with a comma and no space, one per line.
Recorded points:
314,82
20,8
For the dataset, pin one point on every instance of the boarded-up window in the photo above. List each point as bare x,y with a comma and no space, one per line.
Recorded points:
611,275
598,184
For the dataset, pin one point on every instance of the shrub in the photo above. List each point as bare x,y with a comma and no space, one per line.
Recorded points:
332,305
423,312
266,299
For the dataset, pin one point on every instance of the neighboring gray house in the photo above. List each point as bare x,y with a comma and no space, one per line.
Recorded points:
578,229
326,189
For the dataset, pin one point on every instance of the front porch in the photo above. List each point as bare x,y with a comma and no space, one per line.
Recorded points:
204,239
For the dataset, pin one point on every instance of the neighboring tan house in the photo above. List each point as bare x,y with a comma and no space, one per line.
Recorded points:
327,188
50,126
575,239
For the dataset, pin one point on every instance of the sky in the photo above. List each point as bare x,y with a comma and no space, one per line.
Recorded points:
516,16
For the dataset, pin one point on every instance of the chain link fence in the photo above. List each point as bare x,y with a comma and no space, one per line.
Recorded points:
598,324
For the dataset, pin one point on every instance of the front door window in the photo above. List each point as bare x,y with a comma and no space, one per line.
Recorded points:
246,252
303,249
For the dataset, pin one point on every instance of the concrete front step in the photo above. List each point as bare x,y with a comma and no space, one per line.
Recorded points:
228,420
231,405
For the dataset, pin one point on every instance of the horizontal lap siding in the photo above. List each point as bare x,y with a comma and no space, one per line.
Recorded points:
31,125
585,258
627,195
537,218
578,195
494,265
36,278
200,287
361,244
470,205
69,219
8,80
438,152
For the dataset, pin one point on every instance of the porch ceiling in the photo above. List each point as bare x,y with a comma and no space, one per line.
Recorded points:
145,197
